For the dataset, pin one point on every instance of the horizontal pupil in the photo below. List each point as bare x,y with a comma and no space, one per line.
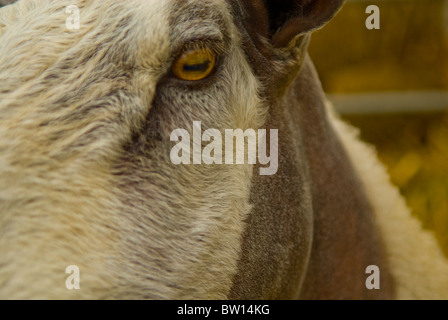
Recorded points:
197,67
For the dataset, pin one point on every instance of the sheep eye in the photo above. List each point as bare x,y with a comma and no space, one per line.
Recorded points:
194,65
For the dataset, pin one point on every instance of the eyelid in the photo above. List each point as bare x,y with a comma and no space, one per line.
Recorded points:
216,45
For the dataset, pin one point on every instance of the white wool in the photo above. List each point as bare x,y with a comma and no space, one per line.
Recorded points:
417,262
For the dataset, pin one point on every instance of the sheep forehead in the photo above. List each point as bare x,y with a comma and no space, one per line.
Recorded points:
121,44
114,30
154,29
145,31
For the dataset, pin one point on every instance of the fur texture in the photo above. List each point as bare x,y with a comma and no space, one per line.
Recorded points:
86,178
85,172
417,262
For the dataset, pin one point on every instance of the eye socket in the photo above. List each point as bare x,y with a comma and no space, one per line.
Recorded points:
194,65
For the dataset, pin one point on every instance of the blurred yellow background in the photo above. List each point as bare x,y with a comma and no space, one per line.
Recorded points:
392,83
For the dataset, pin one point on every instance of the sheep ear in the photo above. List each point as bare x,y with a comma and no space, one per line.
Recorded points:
287,19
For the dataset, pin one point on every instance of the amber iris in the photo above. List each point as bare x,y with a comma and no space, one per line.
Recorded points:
194,65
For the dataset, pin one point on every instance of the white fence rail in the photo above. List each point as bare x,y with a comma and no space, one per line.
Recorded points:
390,102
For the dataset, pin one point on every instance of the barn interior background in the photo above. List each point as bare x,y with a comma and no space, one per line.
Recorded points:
392,83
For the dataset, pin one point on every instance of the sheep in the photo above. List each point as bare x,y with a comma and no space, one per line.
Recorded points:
86,177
